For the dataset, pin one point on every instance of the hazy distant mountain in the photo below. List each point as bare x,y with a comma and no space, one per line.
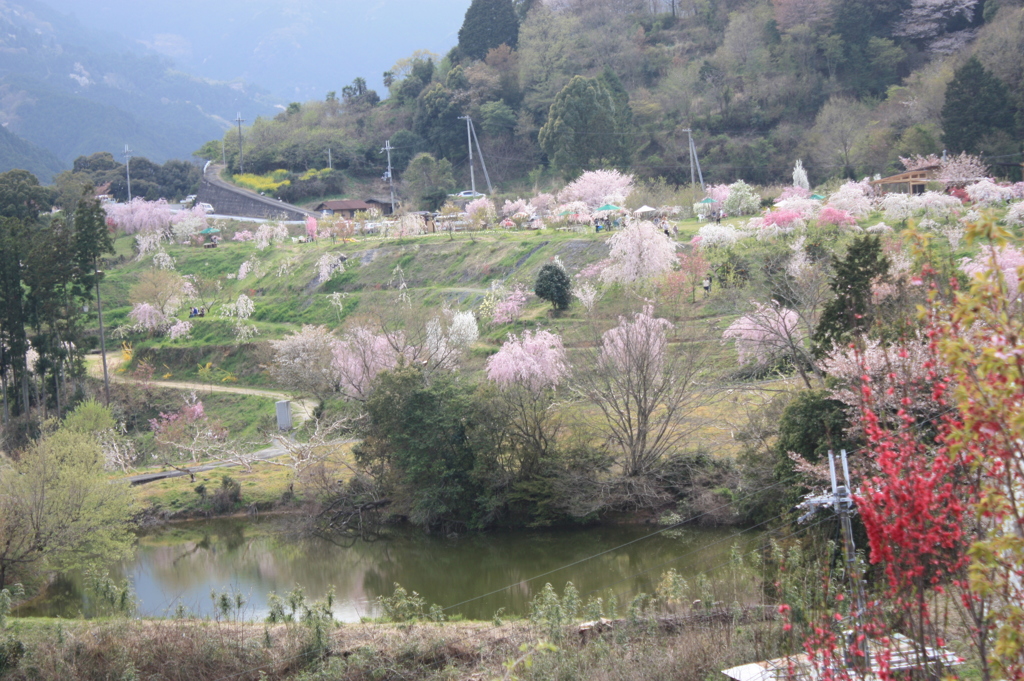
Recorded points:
73,91
17,153
298,49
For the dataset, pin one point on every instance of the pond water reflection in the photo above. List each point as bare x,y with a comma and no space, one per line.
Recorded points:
183,563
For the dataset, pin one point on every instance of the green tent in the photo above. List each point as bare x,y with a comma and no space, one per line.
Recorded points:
210,230
609,206
709,200
817,197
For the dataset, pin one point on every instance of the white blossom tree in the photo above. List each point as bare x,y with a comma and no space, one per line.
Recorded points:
638,253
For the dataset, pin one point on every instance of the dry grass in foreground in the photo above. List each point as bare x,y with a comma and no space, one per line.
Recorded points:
691,648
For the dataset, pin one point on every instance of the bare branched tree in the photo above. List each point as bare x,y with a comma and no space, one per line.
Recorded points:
647,388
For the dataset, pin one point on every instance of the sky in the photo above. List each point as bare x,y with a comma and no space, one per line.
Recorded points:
296,49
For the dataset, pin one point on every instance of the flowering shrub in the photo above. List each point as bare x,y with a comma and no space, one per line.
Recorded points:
147,317
936,205
742,199
783,219
514,207
793,192
987,192
760,335
638,252
717,236
836,217
880,228
597,187
852,198
542,203
1007,260
180,329
807,207
481,212
535,360
1015,215
163,261
244,235
509,309
718,192
896,207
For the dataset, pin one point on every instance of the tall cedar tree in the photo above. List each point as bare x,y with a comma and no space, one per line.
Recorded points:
553,285
849,313
488,24
976,106
583,128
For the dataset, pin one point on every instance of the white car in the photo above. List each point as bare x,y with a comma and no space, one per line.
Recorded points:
469,194
207,208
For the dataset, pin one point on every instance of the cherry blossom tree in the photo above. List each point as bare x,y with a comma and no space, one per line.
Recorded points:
189,433
511,208
935,205
542,203
536,361
646,391
896,207
597,187
311,227
358,357
139,215
793,192
806,206
511,306
717,236
782,221
147,317
180,329
638,253
481,212
242,235
328,265
305,362
986,192
994,263
719,192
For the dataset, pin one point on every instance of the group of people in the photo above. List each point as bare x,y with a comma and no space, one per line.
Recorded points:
197,312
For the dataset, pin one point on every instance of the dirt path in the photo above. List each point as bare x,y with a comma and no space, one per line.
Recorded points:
302,409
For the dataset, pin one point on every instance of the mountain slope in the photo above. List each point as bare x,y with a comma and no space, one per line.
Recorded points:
17,153
63,89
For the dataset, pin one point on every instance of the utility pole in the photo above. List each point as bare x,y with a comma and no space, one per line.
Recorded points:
387,175
490,189
223,153
127,170
694,161
240,120
841,501
469,139
330,165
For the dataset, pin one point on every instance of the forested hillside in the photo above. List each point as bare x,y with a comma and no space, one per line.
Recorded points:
567,85
74,92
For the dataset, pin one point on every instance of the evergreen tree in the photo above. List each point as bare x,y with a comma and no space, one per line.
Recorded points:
437,122
583,128
488,24
976,106
849,313
554,285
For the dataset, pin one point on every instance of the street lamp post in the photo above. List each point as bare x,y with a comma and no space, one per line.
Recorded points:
103,341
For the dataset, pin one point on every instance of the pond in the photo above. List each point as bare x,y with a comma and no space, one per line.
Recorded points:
478,573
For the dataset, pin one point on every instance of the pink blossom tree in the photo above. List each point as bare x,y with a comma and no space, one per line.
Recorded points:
481,212
718,192
511,306
148,318
535,360
139,215
527,370
311,227
597,187
793,192
835,217
189,433
783,219
638,253
647,393
357,359
304,362
995,263
511,208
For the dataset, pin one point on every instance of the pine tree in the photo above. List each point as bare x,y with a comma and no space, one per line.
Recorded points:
553,285
488,24
582,127
849,312
976,105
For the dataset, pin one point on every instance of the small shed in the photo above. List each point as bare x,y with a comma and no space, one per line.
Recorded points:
909,182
